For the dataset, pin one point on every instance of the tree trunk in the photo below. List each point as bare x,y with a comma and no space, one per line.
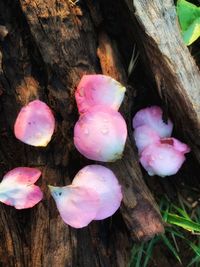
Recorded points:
45,48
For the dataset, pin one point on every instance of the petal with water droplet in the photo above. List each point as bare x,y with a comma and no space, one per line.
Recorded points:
106,140
77,206
35,124
98,89
161,159
104,182
17,188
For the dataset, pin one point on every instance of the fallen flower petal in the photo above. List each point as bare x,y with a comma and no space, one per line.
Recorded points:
144,136
35,124
99,89
17,188
162,159
100,134
104,182
152,117
178,145
77,206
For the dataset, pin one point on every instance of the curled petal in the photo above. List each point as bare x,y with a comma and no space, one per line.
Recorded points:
35,124
178,145
104,182
77,206
99,89
144,136
152,117
17,188
100,134
161,159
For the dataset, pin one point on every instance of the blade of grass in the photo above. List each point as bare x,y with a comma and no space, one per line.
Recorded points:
149,250
182,212
170,247
139,256
196,259
182,222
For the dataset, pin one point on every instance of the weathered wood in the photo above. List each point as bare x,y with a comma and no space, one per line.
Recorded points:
47,47
175,72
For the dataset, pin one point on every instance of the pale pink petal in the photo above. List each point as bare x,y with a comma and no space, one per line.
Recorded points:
178,145
144,136
104,182
161,159
35,124
100,134
17,188
77,206
22,175
99,89
152,117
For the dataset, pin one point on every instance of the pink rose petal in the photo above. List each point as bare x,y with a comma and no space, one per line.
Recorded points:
178,145
35,124
77,206
100,134
22,175
104,182
144,136
17,188
99,90
152,117
161,159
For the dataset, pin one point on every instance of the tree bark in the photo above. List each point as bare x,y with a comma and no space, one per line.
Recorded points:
46,46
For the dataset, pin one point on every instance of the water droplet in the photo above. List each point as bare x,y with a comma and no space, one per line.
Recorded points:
86,132
38,135
98,151
81,92
152,158
104,130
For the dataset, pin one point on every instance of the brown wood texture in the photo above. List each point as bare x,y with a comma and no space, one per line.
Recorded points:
45,48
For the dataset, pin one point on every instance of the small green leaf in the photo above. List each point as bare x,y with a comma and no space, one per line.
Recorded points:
189,19
192,33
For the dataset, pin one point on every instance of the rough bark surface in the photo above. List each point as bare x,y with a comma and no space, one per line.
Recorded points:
45,48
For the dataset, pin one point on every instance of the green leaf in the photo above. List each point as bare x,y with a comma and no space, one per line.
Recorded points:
189,19
182,212
183,222
192,33
170,247
187,13
196,249
149,250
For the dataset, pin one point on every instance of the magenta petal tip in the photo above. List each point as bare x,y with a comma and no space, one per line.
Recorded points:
35,124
